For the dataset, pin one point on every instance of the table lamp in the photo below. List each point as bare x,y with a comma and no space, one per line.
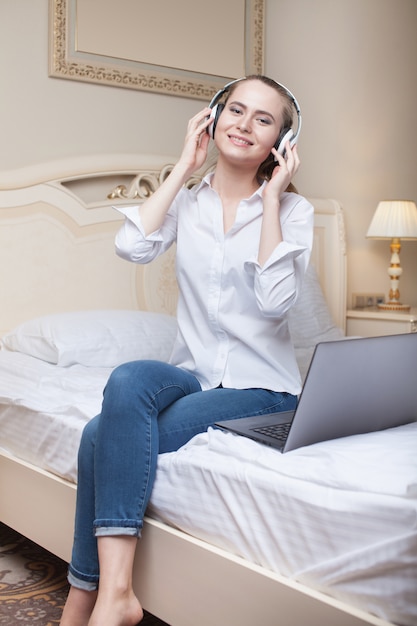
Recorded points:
395,220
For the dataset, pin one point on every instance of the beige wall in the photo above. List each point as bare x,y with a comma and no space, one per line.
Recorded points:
351,64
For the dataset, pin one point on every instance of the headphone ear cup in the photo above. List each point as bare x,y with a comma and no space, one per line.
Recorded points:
287,134
215,114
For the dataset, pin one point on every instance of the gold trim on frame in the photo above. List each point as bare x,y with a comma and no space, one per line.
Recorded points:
68,63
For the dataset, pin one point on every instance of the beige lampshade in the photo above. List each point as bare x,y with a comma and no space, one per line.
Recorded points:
394,218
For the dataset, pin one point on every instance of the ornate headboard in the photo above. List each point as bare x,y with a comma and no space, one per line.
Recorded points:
57,229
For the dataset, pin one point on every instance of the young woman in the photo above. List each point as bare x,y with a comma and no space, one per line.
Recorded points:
243,245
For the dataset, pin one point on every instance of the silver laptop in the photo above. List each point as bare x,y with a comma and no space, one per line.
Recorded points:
353,386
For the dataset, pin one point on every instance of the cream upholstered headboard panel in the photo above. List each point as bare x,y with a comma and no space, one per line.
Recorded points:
57,229
329,255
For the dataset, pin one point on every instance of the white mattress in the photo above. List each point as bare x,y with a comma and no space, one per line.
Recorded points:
340,515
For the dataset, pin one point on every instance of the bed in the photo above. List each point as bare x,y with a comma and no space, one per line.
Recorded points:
329,531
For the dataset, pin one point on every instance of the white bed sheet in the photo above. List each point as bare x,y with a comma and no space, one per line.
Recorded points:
340,514
44,408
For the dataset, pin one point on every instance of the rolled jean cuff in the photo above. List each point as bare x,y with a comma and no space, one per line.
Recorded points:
115,531
80,583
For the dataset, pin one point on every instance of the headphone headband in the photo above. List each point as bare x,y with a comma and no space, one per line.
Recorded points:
287,134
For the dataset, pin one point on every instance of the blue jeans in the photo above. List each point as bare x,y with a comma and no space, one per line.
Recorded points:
149,407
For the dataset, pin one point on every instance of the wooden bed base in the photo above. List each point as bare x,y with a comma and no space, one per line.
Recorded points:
68,206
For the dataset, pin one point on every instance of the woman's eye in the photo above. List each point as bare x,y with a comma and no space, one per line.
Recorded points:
236,110
264,120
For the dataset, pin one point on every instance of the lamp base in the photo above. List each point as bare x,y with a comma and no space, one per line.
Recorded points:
393,306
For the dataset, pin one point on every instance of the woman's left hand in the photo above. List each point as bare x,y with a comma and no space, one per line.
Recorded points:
283,173
271,232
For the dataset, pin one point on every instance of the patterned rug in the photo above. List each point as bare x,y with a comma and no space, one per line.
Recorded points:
33,584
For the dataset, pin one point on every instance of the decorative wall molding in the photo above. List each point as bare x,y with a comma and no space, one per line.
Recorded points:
65,61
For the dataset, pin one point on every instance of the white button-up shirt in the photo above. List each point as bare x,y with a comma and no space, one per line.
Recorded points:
232,326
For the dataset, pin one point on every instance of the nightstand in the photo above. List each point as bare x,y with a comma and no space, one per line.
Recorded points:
371,322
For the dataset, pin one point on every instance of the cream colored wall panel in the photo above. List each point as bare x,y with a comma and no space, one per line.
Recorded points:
183,39
351,64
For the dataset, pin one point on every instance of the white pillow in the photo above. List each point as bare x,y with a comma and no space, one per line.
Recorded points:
309,319
95,338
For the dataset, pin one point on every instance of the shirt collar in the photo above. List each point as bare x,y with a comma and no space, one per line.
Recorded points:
206,182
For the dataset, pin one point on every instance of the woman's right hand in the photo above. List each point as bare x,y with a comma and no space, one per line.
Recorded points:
154,210
196,142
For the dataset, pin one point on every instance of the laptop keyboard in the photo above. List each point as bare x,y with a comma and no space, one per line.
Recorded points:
277,431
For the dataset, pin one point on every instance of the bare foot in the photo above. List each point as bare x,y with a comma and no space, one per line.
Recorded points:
117,610
78,607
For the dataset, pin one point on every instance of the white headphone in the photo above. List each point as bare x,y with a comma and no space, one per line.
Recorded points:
286,134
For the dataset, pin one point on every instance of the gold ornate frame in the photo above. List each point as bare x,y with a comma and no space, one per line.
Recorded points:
66,61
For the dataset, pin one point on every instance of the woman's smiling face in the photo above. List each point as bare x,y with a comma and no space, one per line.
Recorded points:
250,122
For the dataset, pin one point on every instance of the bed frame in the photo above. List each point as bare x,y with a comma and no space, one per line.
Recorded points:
57,230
